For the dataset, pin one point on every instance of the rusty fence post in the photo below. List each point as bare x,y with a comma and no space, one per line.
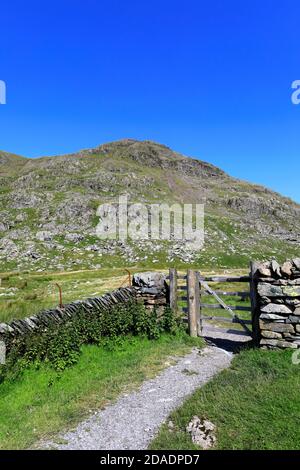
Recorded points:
129,277
60,295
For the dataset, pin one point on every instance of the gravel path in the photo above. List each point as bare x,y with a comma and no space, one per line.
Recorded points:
133,420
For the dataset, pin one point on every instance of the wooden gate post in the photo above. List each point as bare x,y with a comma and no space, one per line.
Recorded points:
199,308
173,290
193,302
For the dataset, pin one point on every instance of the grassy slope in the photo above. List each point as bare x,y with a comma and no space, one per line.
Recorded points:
255,405
11,164
42,403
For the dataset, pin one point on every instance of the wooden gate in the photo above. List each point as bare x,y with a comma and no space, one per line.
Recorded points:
191,296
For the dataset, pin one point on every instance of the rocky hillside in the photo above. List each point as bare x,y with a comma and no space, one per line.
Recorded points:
48,209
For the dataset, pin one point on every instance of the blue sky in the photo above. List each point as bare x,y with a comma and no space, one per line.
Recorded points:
209,79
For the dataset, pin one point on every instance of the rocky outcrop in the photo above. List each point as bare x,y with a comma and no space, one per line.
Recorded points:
8,248
202,432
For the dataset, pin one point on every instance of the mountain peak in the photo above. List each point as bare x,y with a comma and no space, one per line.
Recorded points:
48,205
133,143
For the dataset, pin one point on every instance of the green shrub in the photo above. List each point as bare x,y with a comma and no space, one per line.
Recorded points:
60,344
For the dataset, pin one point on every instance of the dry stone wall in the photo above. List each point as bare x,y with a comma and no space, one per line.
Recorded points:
276,306
152,290
148,288
35,324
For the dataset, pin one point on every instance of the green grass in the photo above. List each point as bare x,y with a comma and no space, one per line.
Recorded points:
24,294
255,405
41,402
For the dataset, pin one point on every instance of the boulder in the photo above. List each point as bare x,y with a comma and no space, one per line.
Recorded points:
44,236
21,217
74,237
149,280
202,432
8,248
3,227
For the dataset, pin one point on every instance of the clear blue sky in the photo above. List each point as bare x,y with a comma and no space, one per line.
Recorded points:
211,79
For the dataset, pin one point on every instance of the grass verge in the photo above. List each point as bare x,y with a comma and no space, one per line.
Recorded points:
255,405
41,402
